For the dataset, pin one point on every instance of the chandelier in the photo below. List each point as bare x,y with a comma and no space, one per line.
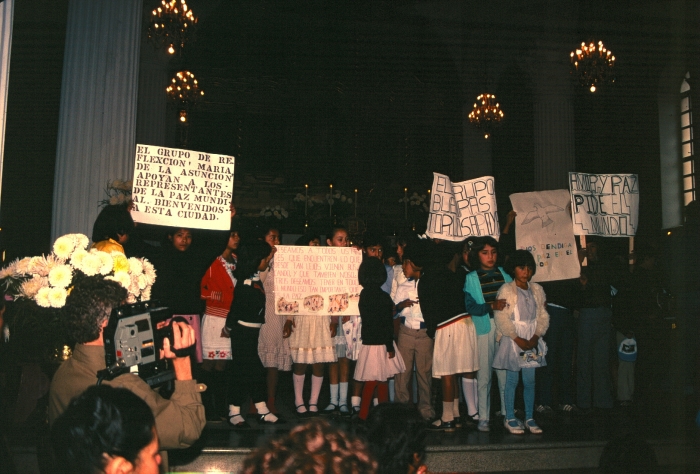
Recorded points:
486,113
172,25
185,92
593,65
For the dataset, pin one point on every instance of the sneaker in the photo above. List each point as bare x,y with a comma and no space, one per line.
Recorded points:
514,426
544,410
569,409
439,425
532,427
483,426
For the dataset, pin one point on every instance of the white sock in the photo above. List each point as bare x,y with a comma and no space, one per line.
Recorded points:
334,397
447,415
455,408
391,390
299,392
234,415
343,396
356,401
263,410
315,392
375,401
471,395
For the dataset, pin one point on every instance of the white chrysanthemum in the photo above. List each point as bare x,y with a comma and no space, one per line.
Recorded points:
22,267
60,276
8,271
131,298
134,286
31,287
150,272
90,264
146,294
63,246
105,263
135,266
57,297
119,262
76,259
42,297
142,281
80,240
122,278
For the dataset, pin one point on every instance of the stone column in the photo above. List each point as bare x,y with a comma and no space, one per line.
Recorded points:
97,119
553,120
7,9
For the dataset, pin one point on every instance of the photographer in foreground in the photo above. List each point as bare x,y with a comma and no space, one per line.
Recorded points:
179,420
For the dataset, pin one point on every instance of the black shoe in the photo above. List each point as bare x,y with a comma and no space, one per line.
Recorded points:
302,414
439,425
238,426
330,410
458,422
312,414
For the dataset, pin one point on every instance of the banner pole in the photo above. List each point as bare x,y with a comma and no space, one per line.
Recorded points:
631,254
583,247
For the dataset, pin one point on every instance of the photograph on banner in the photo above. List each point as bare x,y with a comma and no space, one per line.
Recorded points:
317,280
604,204
543,227
182,188
464,209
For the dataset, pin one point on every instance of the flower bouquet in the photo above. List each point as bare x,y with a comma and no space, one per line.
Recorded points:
118,192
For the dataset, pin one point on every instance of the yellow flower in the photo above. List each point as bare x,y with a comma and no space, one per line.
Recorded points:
119,262
60,276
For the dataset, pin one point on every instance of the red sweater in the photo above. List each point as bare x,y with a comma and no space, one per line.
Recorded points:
217,289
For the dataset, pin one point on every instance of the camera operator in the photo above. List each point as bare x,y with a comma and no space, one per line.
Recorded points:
179,420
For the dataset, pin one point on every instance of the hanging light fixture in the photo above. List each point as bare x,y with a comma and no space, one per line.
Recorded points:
593,65
184,91
486,113
172,25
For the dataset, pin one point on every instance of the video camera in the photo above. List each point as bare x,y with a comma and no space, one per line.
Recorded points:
133,338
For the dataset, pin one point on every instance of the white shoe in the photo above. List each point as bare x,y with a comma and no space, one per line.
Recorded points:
484,426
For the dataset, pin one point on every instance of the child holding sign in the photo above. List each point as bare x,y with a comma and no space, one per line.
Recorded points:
519,327
480,290
379,359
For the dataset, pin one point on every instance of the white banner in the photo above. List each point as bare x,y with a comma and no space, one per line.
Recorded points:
182,188
543,226
604,204
464,209
317,280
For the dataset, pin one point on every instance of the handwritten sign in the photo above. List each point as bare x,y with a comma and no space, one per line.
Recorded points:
543,227
182,188
464,209
317,280
604,204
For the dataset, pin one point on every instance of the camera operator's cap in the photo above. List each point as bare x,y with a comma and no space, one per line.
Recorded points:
627,351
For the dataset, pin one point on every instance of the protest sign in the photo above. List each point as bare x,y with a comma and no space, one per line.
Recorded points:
604,204
182,188
317,280
464,209
543,227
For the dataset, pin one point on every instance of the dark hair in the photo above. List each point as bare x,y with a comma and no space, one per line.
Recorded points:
111,222
335,229
478,246
371,239
628,454
102,420
372,273
315,446
265,229
417,252
396,433
170,234
520,258
88,305
249,257
307,238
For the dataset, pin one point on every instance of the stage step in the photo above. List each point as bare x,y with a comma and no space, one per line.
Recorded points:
521,457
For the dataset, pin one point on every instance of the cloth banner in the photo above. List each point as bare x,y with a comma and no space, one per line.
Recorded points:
317,280
182,188
464,209
604,204
543,227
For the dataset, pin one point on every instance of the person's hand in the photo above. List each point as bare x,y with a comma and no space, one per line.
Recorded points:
232,208
183,337
522,343
498,305
334,329
288,325
391,354
345,319
533,341
405,304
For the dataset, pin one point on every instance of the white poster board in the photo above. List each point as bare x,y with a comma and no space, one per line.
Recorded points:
317,280
464,209
604,204
543,227
182,188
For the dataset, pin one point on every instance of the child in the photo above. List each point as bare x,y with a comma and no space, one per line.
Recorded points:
379,359
480,289
112,228
272,347
243,324
455,351
413,341
519,326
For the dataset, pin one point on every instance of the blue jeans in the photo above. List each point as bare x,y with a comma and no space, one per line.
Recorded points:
512,378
